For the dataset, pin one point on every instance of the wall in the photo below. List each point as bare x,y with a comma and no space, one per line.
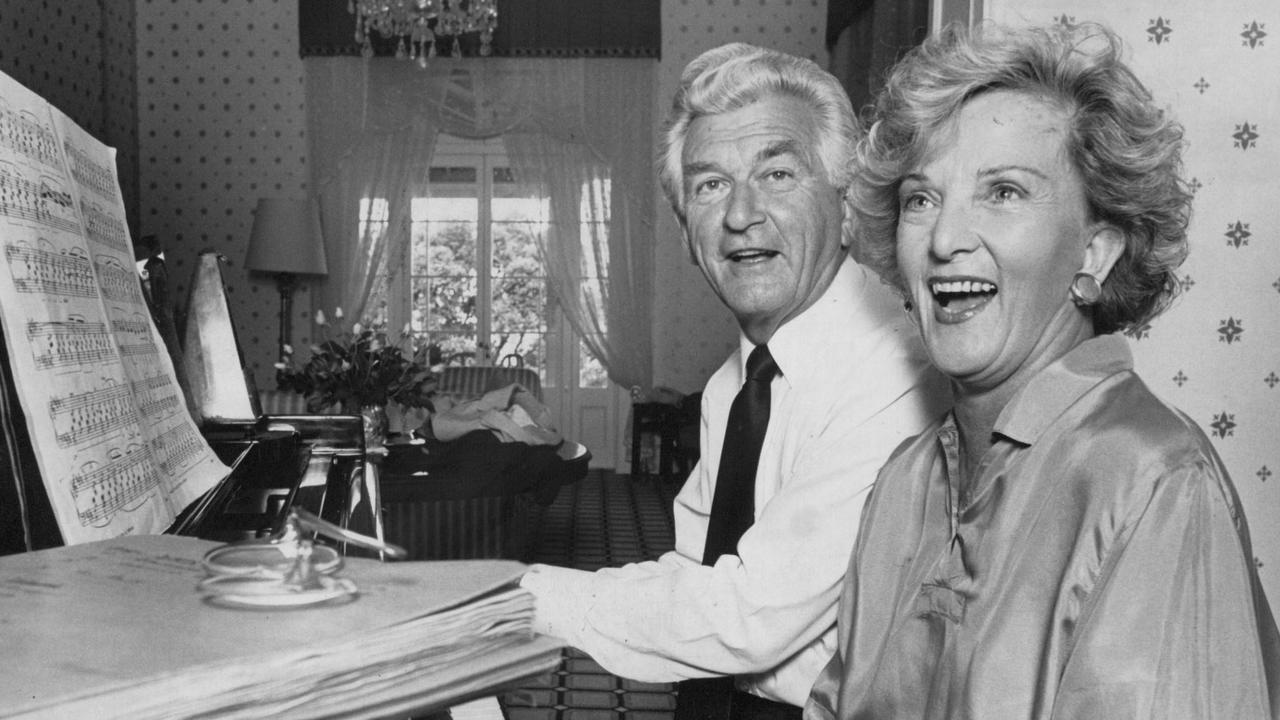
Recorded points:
221,123
695,332
79,55
1216,353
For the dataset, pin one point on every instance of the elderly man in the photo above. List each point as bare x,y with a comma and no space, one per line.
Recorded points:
755,161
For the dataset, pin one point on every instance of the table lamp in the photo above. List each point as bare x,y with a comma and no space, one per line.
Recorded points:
286,242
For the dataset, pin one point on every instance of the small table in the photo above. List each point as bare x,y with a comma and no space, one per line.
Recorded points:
655,429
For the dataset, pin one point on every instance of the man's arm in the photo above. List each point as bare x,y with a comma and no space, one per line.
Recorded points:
675,618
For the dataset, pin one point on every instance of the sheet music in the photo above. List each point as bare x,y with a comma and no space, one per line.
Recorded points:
118,451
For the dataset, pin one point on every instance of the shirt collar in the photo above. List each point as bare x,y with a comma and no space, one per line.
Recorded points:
801,344
1060,385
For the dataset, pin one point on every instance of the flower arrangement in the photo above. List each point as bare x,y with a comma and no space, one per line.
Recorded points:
359,368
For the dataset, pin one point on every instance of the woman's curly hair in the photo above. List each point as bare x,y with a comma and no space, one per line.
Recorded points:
1127,150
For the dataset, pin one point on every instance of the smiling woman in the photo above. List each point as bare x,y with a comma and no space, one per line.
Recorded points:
1061,543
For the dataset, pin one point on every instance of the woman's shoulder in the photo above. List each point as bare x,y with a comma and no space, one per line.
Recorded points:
1125,441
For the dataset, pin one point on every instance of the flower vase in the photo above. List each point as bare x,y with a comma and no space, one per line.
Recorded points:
375,426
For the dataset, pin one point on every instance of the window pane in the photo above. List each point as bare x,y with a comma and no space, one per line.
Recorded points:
515,248
444,304
591,373
456,349
530,348
519,304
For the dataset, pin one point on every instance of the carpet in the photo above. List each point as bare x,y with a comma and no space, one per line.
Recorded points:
603,520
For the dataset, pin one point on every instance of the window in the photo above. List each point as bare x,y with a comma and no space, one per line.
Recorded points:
474,280
471,217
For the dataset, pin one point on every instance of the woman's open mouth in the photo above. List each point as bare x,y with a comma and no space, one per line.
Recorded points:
958,300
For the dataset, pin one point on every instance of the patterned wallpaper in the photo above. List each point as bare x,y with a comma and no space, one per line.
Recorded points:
695,331
78,55
221,123
1216,353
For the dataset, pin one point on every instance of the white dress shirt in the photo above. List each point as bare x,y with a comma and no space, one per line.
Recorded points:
854,383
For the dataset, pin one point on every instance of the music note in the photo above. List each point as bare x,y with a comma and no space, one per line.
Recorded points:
69,343
50,272
156,397
89,174
80,417
101,490
42,201
118,283
176,448
133,336
22,131
104,227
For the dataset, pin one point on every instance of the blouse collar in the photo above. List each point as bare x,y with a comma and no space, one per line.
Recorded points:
1060,385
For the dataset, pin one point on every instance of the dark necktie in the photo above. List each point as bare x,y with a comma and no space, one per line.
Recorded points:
732,512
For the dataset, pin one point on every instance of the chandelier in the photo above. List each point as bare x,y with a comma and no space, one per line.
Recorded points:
423,25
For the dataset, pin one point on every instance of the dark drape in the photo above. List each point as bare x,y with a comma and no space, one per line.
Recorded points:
526,28
866,37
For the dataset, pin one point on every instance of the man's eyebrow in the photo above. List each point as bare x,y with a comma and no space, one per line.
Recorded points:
696,167
781,147
772,150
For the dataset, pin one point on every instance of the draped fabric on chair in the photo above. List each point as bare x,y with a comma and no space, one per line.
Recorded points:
573,124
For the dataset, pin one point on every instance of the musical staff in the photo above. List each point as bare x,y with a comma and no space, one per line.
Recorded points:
118,283
81,417
177,448
105,227
22,131
69,343
102,490
133,336
89,174
156,396
49,272
43,202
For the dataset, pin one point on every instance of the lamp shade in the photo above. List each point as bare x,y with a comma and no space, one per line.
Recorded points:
286,238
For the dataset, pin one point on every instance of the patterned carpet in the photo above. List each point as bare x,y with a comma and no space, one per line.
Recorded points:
604,520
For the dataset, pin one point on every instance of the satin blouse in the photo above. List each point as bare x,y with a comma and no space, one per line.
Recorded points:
1098,565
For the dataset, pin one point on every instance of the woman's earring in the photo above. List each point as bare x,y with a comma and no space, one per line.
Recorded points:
1085,289
908,306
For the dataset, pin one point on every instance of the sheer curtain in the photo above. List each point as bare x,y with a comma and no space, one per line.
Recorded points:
576,125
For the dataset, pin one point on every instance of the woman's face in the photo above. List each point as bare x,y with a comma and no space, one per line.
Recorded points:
993,225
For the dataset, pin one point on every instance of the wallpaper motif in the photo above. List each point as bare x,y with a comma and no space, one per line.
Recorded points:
31,34
1216,353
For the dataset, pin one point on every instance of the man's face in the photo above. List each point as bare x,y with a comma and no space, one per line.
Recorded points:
762,220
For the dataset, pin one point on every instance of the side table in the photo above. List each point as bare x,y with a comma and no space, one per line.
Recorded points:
655,430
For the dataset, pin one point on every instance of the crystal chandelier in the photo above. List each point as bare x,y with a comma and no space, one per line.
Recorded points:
422,25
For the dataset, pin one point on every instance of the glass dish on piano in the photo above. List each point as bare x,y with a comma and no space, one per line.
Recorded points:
286,569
